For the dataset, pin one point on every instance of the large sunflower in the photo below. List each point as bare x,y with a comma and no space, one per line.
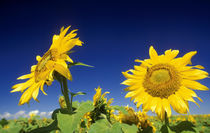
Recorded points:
53,60
164,80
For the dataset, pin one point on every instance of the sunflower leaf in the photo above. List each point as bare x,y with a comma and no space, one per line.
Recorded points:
69,123
78,93
78,64
120,108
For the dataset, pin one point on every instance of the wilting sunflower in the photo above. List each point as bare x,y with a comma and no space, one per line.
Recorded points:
53,60
101,98
101,106
140,119
164,80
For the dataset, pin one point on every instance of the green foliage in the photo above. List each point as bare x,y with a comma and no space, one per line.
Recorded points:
68,123
183,126
3,122
78,93
64,122
120,108
23,125
78,64
105,126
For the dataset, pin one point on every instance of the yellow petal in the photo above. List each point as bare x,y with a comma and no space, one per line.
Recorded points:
143,63
103,95
70,44
33,68
169,55
186,59
38,58
66,58
27,95
62,69
193,85
129,94
42,88
194,74
35,93
22,86
26,76
199,66
152,52
166,106
159,109
130,82
178,104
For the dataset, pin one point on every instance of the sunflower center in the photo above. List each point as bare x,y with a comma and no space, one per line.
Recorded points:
41,69
160,76
161,80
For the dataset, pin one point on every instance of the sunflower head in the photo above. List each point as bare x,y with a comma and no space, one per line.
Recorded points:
54,60
130,118
98,98
140,119
164,80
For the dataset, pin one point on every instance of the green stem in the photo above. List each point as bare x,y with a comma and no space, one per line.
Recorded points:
71,99
66,95
166,119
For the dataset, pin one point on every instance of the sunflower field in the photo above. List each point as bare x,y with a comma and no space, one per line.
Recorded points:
158,84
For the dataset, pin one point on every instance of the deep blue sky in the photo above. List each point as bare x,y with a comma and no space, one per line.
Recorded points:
114,35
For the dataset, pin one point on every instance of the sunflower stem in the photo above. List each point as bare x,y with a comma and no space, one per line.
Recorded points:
166,119
66,95
71,100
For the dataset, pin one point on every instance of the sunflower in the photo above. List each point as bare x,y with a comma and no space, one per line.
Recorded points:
140,119
164,80
97,98
53,60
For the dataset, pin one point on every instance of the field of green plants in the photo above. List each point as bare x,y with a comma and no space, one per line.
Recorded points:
122,120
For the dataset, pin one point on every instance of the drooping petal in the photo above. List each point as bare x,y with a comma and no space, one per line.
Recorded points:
63,71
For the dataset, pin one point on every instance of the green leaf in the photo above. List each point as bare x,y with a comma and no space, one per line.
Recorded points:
46,129
78,64
78,93
183,126
116,128
120,108
101,125
166,129
75,104
69,123
104,126
13,128
129,128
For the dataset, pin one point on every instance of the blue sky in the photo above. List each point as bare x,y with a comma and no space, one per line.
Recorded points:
114,35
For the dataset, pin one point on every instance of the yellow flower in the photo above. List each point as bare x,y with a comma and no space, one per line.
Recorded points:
44,120
32,115
164,80
53,60
6,127
97,97
140,119
191,119
89,119
130,118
